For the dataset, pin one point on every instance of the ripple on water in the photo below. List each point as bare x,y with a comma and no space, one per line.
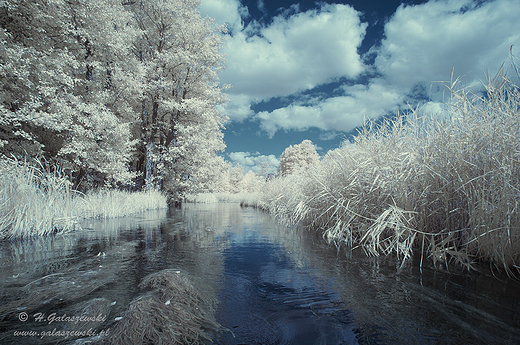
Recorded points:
271,313
308,316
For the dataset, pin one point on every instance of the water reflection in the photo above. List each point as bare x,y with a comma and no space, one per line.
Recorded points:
274,285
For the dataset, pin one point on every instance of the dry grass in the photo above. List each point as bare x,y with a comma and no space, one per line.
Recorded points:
445,186
36,201
115,203
209,198
174,312
201,198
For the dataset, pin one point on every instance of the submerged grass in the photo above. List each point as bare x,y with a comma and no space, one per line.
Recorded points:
175,311
444,186
35,201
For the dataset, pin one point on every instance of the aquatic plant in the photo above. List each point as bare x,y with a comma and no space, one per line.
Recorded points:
55,288
36,200
116,203
446,186
174,312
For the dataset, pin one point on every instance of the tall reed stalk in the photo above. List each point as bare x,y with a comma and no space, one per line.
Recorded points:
36,201
33,200
445,186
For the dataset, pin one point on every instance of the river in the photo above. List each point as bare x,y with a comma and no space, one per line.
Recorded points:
272,284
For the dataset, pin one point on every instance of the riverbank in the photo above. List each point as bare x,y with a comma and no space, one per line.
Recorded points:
445,187
209,198
36,202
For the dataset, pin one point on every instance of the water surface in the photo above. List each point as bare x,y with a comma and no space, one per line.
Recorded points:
273,284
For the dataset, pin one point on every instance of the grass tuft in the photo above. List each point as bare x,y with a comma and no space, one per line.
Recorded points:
34,201
115,203
209,198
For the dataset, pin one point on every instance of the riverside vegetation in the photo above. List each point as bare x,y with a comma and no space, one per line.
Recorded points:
446,187
35,201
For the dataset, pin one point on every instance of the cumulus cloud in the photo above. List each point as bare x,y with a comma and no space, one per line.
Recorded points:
239,107
342,113
424,43
230,12
254,161
298,51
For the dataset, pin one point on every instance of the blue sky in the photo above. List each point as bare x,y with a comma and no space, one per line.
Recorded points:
315,70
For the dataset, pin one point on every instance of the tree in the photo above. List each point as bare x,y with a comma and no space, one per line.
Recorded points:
251,182
109,91
298,157
64,84
236,175
212,176
33,73
180,124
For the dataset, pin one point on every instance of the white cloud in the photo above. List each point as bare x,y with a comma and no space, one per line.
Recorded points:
297,53
342,113
253,161
300,50
422,45
239,107
293,53
225,11
424,42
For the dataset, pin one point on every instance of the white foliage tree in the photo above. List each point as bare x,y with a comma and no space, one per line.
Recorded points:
180,124
84,83
64,83
212,176
251,182
236,174
298,157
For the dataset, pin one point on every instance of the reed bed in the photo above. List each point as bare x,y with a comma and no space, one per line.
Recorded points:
37,201
34,201
201,198
446,187
115,203
175,311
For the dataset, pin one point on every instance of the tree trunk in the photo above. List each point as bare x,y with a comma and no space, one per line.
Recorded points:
149,167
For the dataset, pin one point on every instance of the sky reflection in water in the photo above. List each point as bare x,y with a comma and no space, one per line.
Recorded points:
273,285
